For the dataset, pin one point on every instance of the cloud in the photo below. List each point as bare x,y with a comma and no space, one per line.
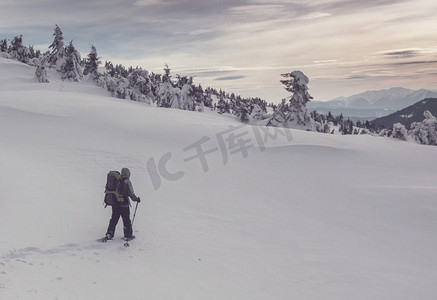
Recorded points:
146,2
409,52
403,53
221,40
417,62
314,15
352,77
325,61
231,77
350,6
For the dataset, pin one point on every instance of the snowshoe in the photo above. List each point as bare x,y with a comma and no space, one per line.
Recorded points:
106,238
128,238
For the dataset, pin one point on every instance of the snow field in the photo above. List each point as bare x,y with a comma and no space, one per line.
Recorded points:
317,217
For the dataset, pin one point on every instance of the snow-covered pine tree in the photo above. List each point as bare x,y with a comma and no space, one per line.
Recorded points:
296,114
207,99
330,118
41,71
17,50
109,67
110,83
58,51
399,132
221,104
33,57
347,127
187,94
257,114
140,84
199,98
168,95
425,132
71,69
243,111
3,45
92,64
279,116
123,90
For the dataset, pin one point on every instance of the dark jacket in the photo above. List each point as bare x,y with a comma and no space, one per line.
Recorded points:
129,189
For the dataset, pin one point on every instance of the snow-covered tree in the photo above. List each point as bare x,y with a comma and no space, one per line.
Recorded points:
257,114
279,117
140,84
347,127
399,132
92,64
221,105
199,97
110,83
17,50
71,68
243,111
3,45
298,113
41,71
425,132
187,94
123,90
295,115
58,51
168,95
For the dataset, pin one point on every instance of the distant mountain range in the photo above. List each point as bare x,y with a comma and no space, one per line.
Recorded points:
408,115
372,104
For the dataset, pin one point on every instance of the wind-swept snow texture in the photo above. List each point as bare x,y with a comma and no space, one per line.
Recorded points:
226,212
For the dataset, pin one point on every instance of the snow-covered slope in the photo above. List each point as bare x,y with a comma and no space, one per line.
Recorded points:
313,216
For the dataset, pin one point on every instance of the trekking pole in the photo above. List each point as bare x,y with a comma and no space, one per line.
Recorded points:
135,212
132,224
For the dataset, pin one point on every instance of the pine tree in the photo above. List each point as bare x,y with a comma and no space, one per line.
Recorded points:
41,71
3,45
17,50
110,68
57,47
399,132
92,64
199,98
298,113
71,69
279,115
140,84
244,111
187,93
221,105
257,113
330,117
425,132
168,95
295,114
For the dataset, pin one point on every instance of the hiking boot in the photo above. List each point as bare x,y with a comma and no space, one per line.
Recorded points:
109,236
128,238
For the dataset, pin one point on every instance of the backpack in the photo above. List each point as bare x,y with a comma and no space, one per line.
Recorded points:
115,190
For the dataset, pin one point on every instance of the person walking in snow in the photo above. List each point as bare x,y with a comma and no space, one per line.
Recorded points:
122,208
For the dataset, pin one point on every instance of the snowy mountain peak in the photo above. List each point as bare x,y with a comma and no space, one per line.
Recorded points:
391,99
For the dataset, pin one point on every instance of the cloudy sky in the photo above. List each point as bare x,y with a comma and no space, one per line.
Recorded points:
242,46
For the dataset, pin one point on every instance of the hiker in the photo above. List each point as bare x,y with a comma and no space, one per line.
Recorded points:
122,208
